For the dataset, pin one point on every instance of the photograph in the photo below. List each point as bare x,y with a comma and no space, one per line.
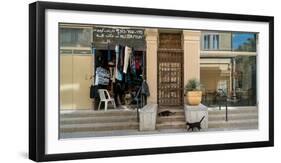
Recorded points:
126,80
111,81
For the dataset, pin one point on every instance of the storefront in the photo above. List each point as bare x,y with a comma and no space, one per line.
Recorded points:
100,57
119,59
158,56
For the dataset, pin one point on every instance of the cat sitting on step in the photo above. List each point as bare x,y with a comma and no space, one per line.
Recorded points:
195,124
166,113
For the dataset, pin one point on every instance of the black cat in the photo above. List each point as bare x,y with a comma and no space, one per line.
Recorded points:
166,113
195,124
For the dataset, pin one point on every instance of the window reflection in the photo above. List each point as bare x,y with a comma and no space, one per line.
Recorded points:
246,79
244,42
235,76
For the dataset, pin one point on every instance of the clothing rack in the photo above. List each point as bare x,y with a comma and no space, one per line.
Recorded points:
111,46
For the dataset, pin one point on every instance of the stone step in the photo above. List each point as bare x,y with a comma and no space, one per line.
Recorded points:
233,111
172,118
171,125
92,113
102,133
245,116
175,121
96,119
234,124
99,127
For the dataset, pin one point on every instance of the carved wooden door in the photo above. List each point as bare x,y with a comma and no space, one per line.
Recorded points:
170,70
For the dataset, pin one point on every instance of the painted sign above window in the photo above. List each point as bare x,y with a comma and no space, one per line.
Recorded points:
133,37
118,33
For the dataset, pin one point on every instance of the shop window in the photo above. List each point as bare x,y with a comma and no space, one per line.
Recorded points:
75,37
219,74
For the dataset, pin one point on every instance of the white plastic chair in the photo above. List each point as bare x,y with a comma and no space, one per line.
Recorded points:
105,97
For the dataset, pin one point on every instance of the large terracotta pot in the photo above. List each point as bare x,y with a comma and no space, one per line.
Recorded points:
194,97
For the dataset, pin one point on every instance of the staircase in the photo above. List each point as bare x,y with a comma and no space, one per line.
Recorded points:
176,121
238,118
88,123
94,121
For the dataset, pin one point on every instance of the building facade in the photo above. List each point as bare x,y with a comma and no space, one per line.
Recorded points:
170,57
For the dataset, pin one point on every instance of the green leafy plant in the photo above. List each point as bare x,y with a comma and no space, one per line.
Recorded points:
193,85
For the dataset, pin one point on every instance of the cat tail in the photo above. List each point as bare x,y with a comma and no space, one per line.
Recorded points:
202,119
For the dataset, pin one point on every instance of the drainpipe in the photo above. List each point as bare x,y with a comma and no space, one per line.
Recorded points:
93,63
234,78
93,72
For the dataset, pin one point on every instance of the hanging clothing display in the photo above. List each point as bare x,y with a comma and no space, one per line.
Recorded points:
128,52
119,70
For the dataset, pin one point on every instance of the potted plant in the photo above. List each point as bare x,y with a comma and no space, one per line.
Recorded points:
193,92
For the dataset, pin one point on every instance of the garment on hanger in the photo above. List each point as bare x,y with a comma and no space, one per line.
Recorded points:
118,91
137,63
122,50
128,76
132,63
118,74
109,57
128,52
94,91
145,88
138,66
102,76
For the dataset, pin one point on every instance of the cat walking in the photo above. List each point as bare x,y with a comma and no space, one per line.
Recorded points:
195,125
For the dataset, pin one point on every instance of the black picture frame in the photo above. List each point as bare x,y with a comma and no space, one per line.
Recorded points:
37,80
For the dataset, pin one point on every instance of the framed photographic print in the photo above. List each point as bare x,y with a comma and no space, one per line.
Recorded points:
108,81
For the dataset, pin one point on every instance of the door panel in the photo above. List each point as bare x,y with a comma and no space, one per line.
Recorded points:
66,85
75,82
82,70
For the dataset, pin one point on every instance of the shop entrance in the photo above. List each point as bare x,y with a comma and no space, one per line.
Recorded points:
170,70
